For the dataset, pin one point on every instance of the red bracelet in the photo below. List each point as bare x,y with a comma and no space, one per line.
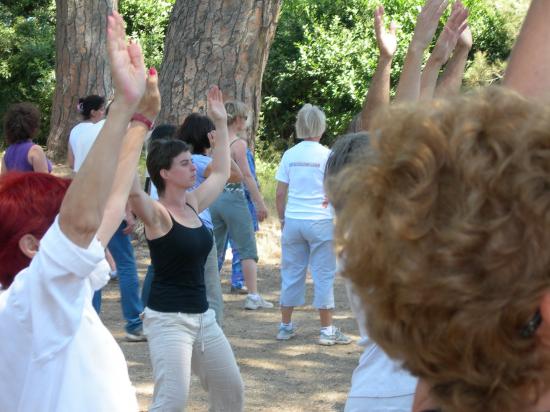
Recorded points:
138,117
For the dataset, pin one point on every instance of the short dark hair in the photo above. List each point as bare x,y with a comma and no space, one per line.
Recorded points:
21,122
89,103
160,156
163,131
194,131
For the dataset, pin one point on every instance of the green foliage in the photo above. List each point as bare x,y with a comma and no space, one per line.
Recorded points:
147,20
27,65
325,53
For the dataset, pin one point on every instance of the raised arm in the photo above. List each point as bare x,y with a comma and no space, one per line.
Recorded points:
84,204
37,158
444,46
408,88
115,210
451,80
379,88
529,64
210,189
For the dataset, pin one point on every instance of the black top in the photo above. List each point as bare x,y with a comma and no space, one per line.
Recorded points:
178,260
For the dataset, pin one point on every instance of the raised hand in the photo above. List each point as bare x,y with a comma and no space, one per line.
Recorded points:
448,38
465,41
127,66
216,108
427,22
387,40
149,106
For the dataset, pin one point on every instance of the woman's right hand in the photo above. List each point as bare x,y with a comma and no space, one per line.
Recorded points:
261,211
127,65
149,106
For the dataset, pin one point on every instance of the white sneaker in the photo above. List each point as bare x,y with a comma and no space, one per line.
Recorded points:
251,303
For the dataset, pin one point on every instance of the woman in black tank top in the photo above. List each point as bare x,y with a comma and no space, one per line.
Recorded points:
179,326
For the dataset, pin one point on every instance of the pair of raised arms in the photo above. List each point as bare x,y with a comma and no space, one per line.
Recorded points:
415,83
528,70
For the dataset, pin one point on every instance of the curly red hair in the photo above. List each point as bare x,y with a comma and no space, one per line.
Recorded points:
29,203
445,231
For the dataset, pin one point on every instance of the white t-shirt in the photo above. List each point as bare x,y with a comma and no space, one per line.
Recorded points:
55,354
303,169
82,138
377,375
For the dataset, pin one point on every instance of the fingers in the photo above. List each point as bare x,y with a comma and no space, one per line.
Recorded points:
393,28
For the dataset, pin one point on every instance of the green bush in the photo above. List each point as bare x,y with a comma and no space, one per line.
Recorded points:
325,53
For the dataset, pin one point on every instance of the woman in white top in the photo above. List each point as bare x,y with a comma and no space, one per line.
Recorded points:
83,135
56,355
307,228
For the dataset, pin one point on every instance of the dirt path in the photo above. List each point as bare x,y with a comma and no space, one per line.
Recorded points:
297,375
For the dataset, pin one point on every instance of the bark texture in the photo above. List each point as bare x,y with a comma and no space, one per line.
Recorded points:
223,42
82,67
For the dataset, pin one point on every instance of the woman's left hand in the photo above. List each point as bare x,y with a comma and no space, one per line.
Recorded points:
216,108
126,60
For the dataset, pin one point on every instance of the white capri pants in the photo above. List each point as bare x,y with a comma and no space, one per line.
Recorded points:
307,242
181,342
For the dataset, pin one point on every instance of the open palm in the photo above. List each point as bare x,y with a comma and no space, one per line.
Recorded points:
387,40
126,59
216,108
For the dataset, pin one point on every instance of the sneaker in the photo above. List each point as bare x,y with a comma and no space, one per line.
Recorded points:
239,289
286,333
252,304
136,336
337,338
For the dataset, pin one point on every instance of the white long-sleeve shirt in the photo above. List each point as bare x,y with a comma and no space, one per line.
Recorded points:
55,353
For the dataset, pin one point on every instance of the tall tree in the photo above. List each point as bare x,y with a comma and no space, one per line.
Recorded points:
224,42
81,63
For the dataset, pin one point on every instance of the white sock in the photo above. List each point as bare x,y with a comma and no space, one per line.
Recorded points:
254,296
286,325
329,330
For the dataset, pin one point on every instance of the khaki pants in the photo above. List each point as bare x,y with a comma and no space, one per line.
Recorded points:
180,343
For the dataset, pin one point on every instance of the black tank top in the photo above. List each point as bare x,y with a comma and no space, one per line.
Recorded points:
178,260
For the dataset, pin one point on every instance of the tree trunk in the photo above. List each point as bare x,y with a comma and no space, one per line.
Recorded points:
82,66
223,42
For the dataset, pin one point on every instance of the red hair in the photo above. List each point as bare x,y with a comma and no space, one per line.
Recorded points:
29,203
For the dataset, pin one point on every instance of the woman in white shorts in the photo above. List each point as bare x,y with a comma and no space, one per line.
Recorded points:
306,224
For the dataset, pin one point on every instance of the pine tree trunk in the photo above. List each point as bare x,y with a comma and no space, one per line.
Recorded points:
81,64
223,42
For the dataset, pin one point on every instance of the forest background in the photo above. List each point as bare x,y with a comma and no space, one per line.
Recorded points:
324,52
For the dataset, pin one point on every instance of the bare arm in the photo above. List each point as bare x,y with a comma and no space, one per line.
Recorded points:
37,158
235,175
280,200
379,88
70,156
4,168
239,151
210,189
451,80
408,88
116,206
529,64
444,46
84,204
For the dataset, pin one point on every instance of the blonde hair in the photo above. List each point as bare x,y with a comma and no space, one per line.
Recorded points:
445,232
235,109
310,122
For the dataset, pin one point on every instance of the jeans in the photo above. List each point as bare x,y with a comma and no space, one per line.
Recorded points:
123,254
237,277
181,343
